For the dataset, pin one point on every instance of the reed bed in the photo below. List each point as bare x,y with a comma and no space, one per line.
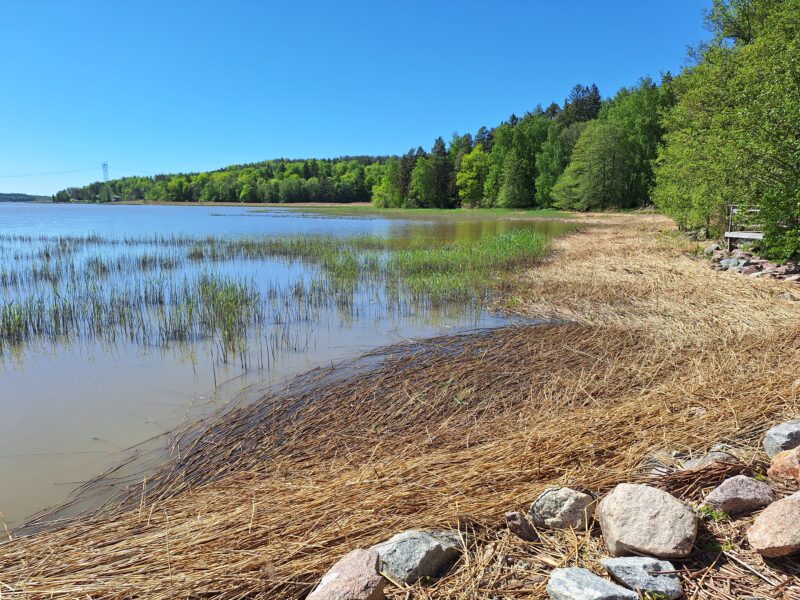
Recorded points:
645,349
156,290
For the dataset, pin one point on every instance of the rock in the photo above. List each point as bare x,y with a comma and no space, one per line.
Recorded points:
641,519
749,270
793,279
787,269
776,531
643,574
788,296
562,508
718,255
412,555
709,459
739,253
661,462
783,436
581,584
519,525
354,577
786,465
729,263
711,249
739,495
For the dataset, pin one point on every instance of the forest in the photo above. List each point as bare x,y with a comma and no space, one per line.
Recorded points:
11,197
726,130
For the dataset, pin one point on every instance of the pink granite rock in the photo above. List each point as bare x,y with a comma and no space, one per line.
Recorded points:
354,577
786,465
776,531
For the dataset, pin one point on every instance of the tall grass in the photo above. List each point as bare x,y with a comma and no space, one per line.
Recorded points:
160,289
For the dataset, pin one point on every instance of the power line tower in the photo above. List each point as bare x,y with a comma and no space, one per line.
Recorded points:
105,171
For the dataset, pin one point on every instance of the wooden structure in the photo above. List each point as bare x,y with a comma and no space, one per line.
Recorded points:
752,233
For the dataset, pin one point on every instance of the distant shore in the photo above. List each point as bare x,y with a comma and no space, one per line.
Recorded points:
252,204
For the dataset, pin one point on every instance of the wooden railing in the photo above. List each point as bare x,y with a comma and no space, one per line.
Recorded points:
753,231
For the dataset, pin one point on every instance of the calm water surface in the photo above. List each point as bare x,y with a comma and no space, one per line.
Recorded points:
72,405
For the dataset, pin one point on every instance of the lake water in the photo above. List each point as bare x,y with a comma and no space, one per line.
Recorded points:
81,389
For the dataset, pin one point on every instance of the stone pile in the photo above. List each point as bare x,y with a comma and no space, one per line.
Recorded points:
642,526
746,263
635,519
776,530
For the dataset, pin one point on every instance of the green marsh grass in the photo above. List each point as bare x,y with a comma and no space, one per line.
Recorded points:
161,289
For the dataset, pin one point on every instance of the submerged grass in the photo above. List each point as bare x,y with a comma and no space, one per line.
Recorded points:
155,290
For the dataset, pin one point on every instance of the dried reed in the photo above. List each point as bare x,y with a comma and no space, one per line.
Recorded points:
657,352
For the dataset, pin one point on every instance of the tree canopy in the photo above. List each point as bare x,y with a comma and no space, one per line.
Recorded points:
733,137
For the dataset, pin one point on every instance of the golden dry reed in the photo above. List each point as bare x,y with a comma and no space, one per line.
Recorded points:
653,351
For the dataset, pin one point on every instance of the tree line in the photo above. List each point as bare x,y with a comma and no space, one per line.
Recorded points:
726,130
346,179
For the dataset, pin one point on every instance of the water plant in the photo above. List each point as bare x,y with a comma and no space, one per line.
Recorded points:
158,290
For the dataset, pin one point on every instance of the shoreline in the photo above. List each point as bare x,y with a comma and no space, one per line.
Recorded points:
247,204
460,432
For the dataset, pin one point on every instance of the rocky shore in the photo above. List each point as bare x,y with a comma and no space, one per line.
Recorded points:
750,265
642,527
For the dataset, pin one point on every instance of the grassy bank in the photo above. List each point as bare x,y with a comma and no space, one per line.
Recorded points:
659,353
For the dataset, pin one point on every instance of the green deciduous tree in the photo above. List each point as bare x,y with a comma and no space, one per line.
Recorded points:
471,177
422,191
734,134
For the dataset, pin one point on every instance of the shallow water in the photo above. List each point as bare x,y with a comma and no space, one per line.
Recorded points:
72,404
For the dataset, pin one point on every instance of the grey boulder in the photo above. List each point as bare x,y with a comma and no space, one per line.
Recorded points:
640,519
581,584
784,436
413,555
562,508
354,577
645,575
740,495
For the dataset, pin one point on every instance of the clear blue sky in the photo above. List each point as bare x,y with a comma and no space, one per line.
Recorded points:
170,86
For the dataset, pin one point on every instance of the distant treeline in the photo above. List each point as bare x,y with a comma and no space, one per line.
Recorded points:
724,131
518,164
346,179
22,198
